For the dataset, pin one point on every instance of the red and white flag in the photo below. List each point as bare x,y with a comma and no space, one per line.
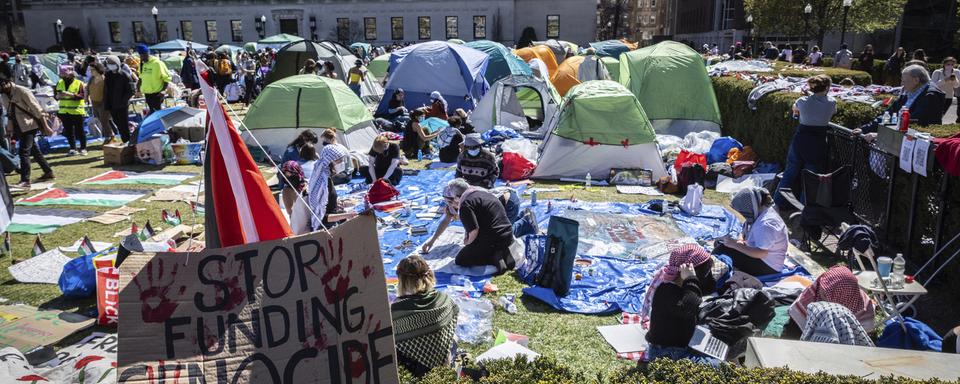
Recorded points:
244,210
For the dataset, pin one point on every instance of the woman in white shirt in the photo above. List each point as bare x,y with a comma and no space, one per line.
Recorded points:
763,249
946,80
815,56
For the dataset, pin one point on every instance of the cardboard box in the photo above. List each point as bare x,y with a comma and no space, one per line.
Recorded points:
118,154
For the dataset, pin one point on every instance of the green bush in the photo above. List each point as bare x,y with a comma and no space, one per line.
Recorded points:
770,127
549,371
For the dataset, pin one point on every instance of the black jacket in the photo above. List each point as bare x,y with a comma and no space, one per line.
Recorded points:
927,109
117,91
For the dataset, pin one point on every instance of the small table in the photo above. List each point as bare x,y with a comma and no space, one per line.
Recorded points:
906,295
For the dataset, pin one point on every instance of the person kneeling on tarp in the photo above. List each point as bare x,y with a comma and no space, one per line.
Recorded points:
424,319
764,247
488,233
673,303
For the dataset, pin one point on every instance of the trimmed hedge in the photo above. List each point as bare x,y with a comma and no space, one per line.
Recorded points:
546,370
836,74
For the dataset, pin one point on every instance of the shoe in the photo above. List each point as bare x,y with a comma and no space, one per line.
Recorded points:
23,185
83,152
532,220
46,176
72,152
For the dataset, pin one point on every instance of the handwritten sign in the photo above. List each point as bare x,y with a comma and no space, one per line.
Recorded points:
25,328
92,360
308,309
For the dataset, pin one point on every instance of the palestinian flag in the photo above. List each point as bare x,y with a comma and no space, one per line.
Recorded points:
92,197
144,178
38,248
36,220
172,219
146,232
243,209
6,205
86,247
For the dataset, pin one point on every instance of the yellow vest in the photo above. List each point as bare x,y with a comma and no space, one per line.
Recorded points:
72,106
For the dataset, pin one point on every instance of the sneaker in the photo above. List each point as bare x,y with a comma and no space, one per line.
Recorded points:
46,176
532,222
23,185
72,152
83,152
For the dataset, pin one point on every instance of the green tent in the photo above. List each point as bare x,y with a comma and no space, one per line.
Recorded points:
613,67
174,62
671,82
589,109
292,104
379,65
280,39
601,126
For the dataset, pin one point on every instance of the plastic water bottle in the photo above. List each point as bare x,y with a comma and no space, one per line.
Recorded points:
893,119
886,118
533,198
587,182
897,274
506,301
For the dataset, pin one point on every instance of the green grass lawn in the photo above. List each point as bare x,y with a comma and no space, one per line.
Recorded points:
570,338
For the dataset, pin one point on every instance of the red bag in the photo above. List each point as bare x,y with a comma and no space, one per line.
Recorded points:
108,295
381,191
689,157
516,167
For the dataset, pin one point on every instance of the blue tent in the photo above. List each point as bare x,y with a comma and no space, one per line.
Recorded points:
610,48
456,71
177,45
503,63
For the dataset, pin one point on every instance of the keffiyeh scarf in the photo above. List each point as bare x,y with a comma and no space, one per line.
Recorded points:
686,254
837,285
423,327
319,179
834,323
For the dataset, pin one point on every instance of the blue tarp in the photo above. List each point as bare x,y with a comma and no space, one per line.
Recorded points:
456,71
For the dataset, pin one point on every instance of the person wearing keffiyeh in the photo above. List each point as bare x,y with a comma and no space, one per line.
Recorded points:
834,323
763,249
424,319
322,196
837,285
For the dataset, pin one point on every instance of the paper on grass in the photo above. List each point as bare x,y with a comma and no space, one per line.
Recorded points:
625,337
44,268
507,350
443,255
638,190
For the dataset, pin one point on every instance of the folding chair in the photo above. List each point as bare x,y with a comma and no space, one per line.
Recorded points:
826,205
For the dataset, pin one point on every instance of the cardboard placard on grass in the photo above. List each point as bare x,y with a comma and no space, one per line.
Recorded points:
307,309
25,328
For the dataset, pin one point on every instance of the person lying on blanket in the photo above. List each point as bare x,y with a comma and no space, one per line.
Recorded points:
837,285
764,247
488,232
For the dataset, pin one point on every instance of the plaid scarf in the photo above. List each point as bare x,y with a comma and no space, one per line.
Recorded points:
320,178
837,285
423,327
834,323
689,253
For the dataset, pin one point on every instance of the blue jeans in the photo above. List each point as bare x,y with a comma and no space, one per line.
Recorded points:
655,351
355,88
521,225
808,150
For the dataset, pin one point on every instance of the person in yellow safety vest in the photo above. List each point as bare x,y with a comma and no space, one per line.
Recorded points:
70,93
153,78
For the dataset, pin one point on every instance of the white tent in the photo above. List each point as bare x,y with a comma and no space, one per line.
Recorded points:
599,126
514,99
371,92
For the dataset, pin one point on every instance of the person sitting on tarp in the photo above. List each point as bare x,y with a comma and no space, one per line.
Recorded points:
383,162
342,176
834,324
837,285
477,165
673,303
322,198
438,106
450,141
396,107
763,249
416,138
488,233
424,319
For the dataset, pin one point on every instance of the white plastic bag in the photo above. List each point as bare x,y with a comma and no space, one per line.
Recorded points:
692,203
522,146
699,142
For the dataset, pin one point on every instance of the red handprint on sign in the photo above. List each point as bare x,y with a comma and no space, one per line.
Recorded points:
234,294
336,279
157,297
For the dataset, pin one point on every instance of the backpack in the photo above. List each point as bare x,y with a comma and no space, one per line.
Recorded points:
690,173
381,191
559,253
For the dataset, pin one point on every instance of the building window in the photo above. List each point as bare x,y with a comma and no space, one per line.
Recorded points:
186,29
396,28
370,28
423,25
653,3
479,27
453,27
138,32
236,30
114,31
162,31
553,26
343,29
211,30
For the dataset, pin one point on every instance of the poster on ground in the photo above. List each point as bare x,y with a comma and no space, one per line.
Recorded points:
307,309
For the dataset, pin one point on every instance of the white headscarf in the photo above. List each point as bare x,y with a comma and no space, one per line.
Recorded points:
318,181
435,95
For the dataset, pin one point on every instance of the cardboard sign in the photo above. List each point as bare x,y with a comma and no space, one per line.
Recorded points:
92,360
26,328
307,309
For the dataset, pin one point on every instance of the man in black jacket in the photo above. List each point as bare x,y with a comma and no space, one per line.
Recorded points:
117,91
923,99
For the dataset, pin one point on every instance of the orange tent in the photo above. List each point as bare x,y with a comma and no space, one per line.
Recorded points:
541,52
567,75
